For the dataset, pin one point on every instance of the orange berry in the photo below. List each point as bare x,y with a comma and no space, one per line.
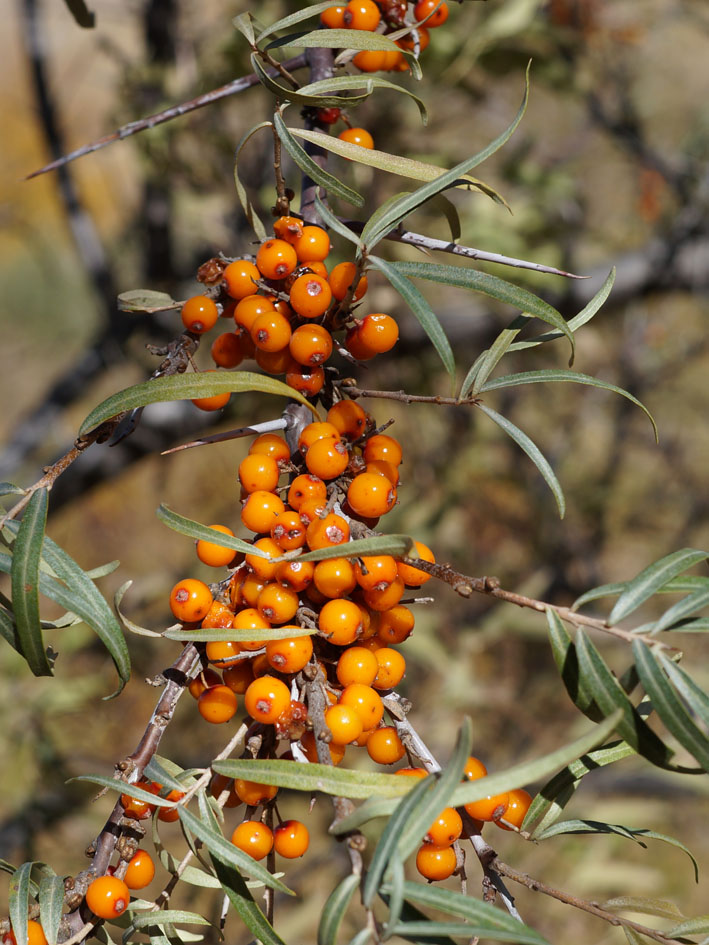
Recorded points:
326,532
313,432
376,572
378,332
217,704
213,554
424,7
358,136
248,310
328,458
491,807
310,295
318,267
408,42
35,935
474,769
288,531
253,838
260,510
313,245
382,468
270,444
259,473
356,347
213,401
221,653
328,116
239,676
357,664
384,746
519,803
333,17
306,380
393,59
291,839
290,655
218,616
362,15
226,350
199,314
274,362
208,677
445,829
340,620
140,871
348,418
383,447
371,495
190,600
136,808
334,577
412,772
386,599
310,510
343,275
434,862
295,574
415,577
271,332
365,701
169,815
288,228
304,487
266,698
251,619
395,625
276,259
264,568
277,604
307,743
344,723
392,667
252,793
107,897
311,345
370,60
241,277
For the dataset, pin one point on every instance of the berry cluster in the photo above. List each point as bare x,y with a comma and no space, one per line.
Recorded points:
286,306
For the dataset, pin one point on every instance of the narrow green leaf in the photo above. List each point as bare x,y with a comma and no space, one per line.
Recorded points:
335,908
551,799
8,630
695,697
285,93
18,901
532,450
341,83
516,776
489,359
609,696
164,772
338,39
596,593
548,375
103,570
396,545
682,609
313,170
208,634
409,913
9,488
583,317
395,878
249,212
126,621
146,300
651,579
245,26
697,926
168,917
242,900
388,842
398,211
421,309
312,777
186,526
500,289
667,705
115,784
472,374
27,550
187,387
303,14
566,659
51,906
485,920
644,906
334,223
227,853
416,826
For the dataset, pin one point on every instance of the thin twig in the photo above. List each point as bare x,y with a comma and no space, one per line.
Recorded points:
142,124
402,397
267,426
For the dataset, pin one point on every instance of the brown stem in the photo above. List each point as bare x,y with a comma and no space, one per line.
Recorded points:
282,207
402,397
321,63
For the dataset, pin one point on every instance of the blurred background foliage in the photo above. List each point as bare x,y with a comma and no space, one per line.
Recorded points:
609,167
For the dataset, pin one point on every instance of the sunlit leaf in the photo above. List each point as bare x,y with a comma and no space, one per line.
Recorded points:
338,39
18,901
208,634
242,900
566,659
334,223
187,387
421,310
485,364
681,610
9,488
186,526
644,906
146,300
168,917
695,697
396,545
27,551
132,790
696,926
305,13
244,24
313,170
532,450
642,587
335,908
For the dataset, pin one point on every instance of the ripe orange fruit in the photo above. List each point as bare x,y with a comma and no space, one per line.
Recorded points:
107,897
141,870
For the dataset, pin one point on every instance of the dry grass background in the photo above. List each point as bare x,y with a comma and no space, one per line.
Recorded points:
576,193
